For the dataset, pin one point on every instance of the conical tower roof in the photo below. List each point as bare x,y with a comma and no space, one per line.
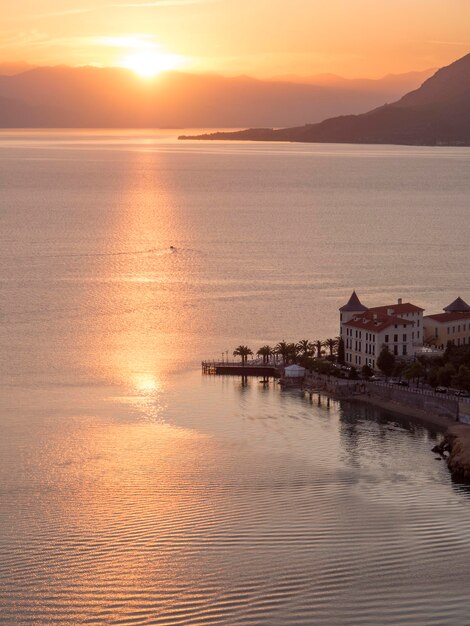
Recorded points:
457,306
354,304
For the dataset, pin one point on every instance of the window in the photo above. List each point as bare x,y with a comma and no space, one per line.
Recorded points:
395,338
458,328
448,330
404,337
417,334
418,322
453,330
395,350
386,338
404,350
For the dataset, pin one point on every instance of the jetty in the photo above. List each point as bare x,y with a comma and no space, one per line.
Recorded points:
235,368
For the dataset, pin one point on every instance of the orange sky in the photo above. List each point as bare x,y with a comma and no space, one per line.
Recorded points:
258,37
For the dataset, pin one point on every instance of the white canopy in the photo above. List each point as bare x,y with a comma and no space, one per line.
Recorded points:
294,371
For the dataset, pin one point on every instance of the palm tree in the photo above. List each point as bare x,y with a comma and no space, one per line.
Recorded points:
293,351
305,347
331,345
243,352
265,352
283,350
318,347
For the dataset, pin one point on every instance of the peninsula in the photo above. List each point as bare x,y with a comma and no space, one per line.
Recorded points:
438,113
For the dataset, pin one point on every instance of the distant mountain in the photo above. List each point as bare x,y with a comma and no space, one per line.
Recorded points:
389,84
9,69
114,97
436,113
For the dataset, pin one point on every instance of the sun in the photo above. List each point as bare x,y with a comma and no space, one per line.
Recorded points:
150,63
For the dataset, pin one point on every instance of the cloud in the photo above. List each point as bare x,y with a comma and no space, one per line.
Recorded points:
11,39
122,5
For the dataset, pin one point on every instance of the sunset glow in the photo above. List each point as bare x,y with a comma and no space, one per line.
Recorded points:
150,63
262,39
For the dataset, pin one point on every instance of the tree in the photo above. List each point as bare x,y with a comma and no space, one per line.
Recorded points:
386,361
292,352
318,348
414,371
266,352
331,344
243,352
353,373
282,349
341,351
399,368
367,371
462,379
446,374
305,347
324,367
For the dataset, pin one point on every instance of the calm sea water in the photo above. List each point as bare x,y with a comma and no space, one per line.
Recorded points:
133,490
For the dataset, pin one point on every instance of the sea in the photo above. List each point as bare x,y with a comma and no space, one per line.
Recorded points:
136,490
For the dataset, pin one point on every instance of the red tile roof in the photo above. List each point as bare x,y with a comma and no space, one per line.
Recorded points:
442,318
398,309
368,322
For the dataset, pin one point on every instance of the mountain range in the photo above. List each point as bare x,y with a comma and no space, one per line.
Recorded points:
437,113
90,97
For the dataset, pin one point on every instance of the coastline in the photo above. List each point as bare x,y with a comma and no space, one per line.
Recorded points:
425,418
455,446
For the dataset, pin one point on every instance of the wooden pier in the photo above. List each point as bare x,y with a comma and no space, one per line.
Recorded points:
226,368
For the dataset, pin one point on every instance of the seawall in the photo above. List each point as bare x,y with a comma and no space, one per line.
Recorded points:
447,413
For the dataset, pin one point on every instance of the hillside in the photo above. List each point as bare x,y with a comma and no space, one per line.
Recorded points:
436,113
113,97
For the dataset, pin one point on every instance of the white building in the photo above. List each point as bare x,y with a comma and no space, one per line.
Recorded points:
451,326
365,331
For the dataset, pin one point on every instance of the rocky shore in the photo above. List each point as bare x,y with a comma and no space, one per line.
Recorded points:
457,443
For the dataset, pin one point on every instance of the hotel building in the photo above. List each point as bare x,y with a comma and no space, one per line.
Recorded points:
366,330
453,325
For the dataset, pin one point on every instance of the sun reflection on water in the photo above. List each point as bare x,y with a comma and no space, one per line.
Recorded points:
143,337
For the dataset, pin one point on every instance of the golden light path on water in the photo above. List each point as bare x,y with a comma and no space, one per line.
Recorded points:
136,491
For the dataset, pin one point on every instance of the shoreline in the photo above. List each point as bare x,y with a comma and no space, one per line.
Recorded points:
425,418
456,441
